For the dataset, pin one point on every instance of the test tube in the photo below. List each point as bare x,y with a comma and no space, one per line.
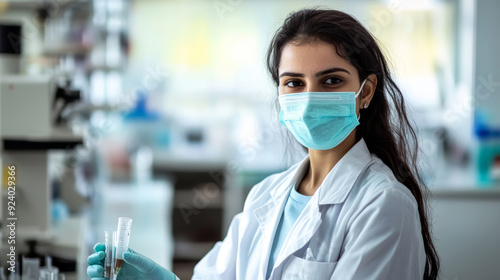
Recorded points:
113,255
123,237
108,259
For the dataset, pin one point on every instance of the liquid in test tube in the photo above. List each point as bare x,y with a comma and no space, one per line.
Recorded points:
108,259
123,237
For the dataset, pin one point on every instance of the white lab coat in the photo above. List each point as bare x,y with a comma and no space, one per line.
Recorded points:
361,223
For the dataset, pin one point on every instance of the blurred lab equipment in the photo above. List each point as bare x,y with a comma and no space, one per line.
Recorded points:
31,268
64,97
49,272
33,271
68,28
27,136
62,264
486,100
488,154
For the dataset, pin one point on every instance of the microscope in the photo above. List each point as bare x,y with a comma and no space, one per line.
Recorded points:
29,129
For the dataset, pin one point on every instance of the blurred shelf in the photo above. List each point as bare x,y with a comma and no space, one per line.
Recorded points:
39,145
472,192
170,161
68,49
57,139
104,67
453,181
34,4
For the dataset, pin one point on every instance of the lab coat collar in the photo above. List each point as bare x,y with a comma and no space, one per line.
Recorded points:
283,188
339,181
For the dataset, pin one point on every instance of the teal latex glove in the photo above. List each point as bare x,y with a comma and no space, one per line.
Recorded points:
139,267
136,266
95,270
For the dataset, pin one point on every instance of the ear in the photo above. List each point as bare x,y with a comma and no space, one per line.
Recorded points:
368,91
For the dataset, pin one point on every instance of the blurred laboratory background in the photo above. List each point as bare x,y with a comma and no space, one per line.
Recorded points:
162,111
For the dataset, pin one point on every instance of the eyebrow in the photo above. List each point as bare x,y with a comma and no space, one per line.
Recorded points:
320,73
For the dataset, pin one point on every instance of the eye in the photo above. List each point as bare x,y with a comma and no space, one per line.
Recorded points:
293,83
333,81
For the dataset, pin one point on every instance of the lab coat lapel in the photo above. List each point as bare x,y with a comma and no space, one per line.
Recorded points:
303,230
344,174
269,215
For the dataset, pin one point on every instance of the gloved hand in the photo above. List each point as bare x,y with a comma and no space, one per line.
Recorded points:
136,266
95,270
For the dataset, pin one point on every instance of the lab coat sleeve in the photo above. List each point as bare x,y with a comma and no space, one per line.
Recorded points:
220,262
383,240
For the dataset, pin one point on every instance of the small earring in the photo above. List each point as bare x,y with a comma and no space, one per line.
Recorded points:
366,106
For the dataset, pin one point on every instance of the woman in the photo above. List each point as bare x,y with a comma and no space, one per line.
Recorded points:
354,207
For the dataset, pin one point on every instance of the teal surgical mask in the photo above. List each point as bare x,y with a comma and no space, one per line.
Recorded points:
319,120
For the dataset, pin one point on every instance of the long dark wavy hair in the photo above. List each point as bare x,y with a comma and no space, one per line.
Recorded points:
386,128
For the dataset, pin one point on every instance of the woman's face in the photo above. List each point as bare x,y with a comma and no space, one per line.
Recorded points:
316,67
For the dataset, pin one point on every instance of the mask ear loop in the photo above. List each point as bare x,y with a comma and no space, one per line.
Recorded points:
357,94
360,89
